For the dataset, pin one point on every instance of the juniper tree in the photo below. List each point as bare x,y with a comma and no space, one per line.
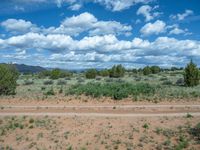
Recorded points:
191,75
8,79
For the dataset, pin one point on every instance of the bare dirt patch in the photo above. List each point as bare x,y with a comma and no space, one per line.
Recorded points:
97,133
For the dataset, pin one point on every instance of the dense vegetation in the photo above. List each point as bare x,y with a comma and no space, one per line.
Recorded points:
8,78
151,70
54,74
115,72
114,90
149,83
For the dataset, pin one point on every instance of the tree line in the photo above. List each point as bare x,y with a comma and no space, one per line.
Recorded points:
9,75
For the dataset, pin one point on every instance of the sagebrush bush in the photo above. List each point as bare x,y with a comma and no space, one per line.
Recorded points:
167,82
61,82
115,90
50,92
80,80
48,82
8,79
28,82
180,82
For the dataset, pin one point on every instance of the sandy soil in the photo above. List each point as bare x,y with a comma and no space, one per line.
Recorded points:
79,133
84,100
97,124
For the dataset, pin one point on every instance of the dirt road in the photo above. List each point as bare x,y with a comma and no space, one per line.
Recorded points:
101,110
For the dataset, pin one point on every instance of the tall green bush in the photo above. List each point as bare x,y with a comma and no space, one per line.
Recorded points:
104,73
191,75
147,70
8,79
91,74
155,69
55,74
117,71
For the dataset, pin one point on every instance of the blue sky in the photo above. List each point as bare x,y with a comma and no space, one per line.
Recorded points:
78,34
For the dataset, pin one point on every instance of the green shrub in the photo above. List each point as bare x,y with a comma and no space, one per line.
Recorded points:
115,90
145,126
61,90
91,74
183,143
44,74
54,74
147,70
155,69
167,82
104,73
61,82
80,80
28,82
31,120
163,79
57,73
180,82
43,88
48,82
195,131
191,76
8,79
50,92
117,71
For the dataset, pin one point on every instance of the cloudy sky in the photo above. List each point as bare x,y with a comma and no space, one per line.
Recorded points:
77,34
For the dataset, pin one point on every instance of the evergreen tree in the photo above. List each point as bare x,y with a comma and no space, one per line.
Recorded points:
117,71
191,75
8,79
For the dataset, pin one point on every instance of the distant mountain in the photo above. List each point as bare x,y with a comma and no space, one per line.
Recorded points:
28,69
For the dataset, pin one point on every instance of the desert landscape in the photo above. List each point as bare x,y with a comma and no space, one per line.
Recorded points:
51,116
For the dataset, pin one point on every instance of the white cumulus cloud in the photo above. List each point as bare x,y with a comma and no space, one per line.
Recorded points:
147,12
182,16
73,26
153,28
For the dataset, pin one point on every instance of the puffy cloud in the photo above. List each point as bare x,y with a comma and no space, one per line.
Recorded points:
85,19
153,28
75,7
99,50
177,31
159,27
182,16
17,26
88,22
30,5
118,5
146,11
110,27
85,22
103,44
